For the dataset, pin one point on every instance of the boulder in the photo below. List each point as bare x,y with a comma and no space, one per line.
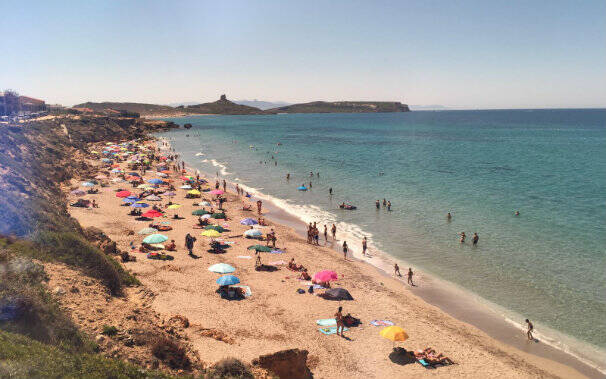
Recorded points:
286,364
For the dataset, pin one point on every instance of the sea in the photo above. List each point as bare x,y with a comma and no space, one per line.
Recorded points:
547,264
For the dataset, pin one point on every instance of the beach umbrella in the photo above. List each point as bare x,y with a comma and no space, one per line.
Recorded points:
200,212
217,192
116,171
206,216
174,206
265,249
139,205
186,178
153,198
211,233
248,221
133,197
170,193
394,333
145,186
147,231
155,181
218,228
228,280
204,204
123,194
152,213
161,174
253,233
325,276
155,238
78,192
337,294
88,184
186,186
130,201
221,268
106,160
134,174
218,215
193,192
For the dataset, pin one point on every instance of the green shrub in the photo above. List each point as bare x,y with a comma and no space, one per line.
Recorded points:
109,330
171,353
229,368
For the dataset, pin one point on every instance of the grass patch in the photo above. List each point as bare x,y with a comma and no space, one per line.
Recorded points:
171,352
109,330
23,357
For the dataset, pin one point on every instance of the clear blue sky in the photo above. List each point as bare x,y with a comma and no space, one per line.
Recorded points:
476,54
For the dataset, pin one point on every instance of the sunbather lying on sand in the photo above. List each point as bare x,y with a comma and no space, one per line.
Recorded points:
432,357
305,275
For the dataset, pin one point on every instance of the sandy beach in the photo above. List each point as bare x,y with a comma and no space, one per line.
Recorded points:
276,317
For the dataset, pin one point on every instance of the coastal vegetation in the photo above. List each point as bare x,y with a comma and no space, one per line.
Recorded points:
343,107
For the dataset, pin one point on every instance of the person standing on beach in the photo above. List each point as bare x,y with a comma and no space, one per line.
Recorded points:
288,176
529,330
334,232
189,243
396,270
345,250
339,319
475,239
259,206
224,186
325,234
364,245
410,274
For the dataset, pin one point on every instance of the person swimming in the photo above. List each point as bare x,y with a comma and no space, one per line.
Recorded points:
448,216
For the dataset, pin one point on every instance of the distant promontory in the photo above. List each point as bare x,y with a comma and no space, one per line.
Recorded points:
342,107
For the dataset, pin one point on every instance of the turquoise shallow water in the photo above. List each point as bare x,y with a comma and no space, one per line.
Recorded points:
548,264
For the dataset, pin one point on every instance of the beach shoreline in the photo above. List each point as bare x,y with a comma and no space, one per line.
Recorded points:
183,288
448,297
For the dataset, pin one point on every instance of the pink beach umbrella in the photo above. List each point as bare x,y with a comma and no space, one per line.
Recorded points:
325,276
217,192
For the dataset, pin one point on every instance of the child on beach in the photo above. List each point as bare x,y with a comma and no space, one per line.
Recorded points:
529,330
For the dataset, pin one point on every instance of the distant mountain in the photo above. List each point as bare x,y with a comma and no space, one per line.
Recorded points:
221,106
343,107
262,104
434,107
183,103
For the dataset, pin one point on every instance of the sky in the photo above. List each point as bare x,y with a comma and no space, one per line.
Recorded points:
462,54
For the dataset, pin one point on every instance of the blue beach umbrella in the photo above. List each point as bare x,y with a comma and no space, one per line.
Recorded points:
139,205
130,201
133,197
228,280
248,221
302,188
88,184
155,181
155,238
221,268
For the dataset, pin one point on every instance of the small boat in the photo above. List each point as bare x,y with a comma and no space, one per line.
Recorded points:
348,207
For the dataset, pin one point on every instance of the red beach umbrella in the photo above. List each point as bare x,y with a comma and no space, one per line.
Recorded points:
123,194
325,276
152,214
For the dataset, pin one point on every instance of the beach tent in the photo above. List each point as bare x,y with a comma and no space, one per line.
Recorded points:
155,238
248,221
393,333
200,212
147,231
266,249
221,268
337,294
123,194
228,280
325,276
253,233
211,233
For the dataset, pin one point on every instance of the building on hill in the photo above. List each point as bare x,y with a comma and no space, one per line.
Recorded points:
13,104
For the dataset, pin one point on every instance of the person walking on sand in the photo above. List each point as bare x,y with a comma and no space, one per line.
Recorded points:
259,206
410,274
339,319
364,245
224,186
334,232
325,234
396,270
189,243
345,250
529,330
475,239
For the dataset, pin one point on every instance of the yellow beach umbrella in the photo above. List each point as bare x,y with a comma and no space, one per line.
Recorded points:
394,333
193,192
174,206
211,233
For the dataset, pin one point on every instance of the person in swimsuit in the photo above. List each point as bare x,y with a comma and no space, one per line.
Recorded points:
462,234
334,232
378,204
530,329
339,319
475,239
410,274
325,234
364,245
345,250
396,269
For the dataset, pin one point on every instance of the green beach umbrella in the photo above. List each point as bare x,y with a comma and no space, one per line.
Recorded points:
155,238
218,215
266,249
218,228
200,212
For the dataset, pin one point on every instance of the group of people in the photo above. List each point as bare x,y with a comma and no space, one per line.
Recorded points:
386,204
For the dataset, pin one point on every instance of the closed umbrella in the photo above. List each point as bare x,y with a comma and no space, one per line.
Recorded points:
155,238
221,268
228,280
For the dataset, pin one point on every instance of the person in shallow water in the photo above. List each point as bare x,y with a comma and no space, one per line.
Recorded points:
345,250
448,216
462,240
389,205
378,204
475,239
396,269
409,275
529,330
330,191
364,245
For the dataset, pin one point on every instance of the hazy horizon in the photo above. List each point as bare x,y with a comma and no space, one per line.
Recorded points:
472,55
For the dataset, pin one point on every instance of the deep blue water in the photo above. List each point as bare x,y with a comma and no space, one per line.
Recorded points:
548,264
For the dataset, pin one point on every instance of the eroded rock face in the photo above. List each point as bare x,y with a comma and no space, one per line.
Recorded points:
286,364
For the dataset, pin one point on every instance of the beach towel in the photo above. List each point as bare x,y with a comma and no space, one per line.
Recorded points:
381,323
277,263
329,331
276,252
318,287
326,322
424,363
244,256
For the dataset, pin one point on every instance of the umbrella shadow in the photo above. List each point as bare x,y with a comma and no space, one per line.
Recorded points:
401,356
